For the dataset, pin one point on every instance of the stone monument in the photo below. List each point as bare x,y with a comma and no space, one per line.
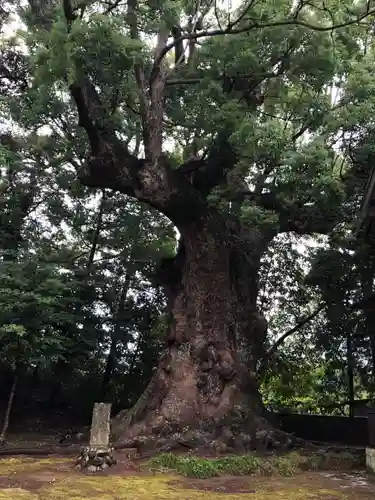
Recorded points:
370,449
98,455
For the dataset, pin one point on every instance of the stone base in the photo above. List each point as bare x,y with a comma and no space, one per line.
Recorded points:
370,459
94,458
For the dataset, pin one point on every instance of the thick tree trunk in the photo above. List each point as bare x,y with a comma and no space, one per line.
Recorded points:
205,389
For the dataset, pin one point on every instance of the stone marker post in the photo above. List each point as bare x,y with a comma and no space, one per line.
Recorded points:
370,449
100,425
98,455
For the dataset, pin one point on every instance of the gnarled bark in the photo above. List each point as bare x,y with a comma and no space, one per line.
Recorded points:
205,390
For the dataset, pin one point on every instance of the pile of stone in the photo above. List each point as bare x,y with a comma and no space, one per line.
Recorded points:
94,458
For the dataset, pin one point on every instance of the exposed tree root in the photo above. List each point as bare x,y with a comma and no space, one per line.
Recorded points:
214,437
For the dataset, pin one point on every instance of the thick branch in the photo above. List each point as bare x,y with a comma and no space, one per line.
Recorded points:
154,147
179,57
70,16
139,76
212,171
205,174
110,164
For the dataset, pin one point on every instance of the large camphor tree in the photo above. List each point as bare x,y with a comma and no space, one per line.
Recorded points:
225,118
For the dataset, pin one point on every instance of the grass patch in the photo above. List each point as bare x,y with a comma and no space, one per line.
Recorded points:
203,468
333,461
282,465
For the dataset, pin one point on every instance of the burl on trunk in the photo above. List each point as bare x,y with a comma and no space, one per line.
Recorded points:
204,391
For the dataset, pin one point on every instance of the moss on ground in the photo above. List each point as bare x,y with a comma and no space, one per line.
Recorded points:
164,486
17,494
26,464
150,488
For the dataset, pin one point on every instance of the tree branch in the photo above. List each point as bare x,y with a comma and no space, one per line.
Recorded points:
231,30
156,109
290,220
111,165
70,16
112,6
211,172
281,340
179,47
295,329
193,80
306,224
361,304
139,73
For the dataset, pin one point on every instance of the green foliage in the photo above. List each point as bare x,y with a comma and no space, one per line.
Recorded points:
235,465
35,307
203,468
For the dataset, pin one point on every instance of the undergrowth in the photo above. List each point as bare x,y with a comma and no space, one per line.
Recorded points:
283,465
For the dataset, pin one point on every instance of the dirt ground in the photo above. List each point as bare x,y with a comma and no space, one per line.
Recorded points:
24,478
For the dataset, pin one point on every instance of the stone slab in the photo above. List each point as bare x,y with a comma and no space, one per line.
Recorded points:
370,459
100,425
